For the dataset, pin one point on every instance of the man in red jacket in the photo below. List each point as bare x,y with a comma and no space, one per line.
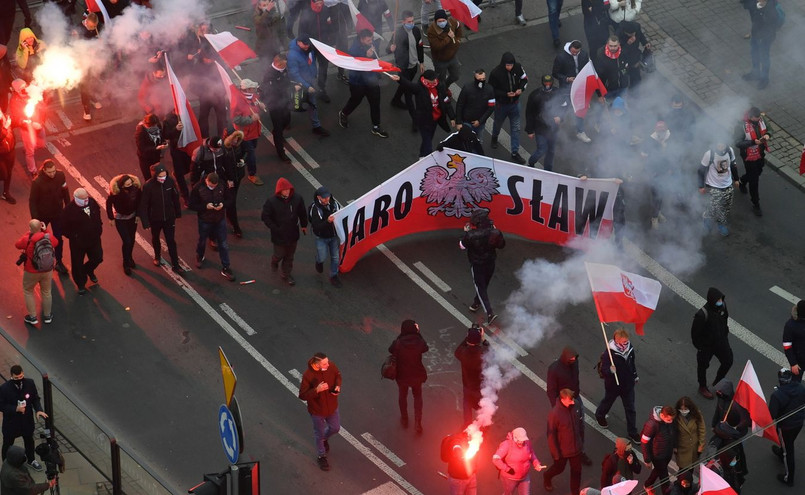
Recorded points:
321,384
33,276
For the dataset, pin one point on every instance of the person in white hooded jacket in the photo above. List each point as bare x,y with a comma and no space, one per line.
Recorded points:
624,10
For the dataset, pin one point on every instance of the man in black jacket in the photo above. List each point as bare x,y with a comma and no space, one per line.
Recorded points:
565,441
15,478
210,198
315,22
320,214
475,104
19,400
787,398
277,97
82,224
794,340
409,55
509,80
49,195
463,140
208,158
542,120
482,240
753,141
566,67
564,373
433,107
470,353
710,335
659,440
159,209
623,365
283,213
150,143
612,68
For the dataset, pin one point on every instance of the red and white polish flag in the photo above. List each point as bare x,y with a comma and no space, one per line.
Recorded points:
233,94
231,49
710,483
622,296
464,11
583,89
749,395
346,61
98,6
190,136
802,162
622,488
359,20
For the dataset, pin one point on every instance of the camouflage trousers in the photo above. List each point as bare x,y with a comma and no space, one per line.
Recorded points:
720,204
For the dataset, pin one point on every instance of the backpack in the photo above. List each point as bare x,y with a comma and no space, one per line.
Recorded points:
388,369
44,258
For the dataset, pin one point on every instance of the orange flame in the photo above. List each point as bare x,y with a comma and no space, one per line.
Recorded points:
476,438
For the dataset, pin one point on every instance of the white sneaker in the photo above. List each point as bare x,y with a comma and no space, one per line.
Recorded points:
97,105
87,116
521,20
583,137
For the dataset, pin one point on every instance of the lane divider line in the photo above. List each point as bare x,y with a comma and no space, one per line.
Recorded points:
371,440
301,152
432,276
237,319
785,294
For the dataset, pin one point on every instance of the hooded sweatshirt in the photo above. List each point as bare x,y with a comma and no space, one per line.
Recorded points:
504,81
659,438
511,456
563,373
566,65
24,52
408,349
14,476
787,398
710,330
284,216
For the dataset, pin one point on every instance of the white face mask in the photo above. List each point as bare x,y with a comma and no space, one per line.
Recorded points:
684,412
441,24
81,202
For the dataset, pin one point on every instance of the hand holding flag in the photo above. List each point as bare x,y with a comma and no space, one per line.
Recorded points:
749,395
583,88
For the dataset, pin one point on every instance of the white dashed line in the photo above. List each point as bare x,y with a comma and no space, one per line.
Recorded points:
371,440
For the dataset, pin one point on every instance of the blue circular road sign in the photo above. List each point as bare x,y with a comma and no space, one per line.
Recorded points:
229,434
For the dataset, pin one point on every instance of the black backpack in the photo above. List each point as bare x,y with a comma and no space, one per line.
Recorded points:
44,258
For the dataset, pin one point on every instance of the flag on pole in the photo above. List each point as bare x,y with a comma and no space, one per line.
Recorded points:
710,483
802,162
359,20
464,11
231,49
346,61
98,6
190,136
233,94
622,296
583,89
622,488
749,395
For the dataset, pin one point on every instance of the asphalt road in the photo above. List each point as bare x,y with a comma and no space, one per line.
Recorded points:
142,352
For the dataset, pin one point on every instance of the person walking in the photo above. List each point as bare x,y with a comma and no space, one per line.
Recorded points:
475,104
566,66
159,209
235,166
461,472
121,209
470,353
150,143
765,24
245,116
409,56
482,240
320,214
33,274
304,76
659,439
787,398
543,116
364,84
81,220
710,334
411,373
564,373
509,80
690,435
794,340
49,196
433,107
284,213
514,458
753,143
623,365
320,387
718,175
277,99
19,401
210,198
565,441
444,36
731,422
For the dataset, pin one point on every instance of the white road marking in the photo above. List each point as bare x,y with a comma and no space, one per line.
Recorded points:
387,488
669,280
298,166
432,276
51,127
296,374
237,319
785,295
65,120
301,152
371,440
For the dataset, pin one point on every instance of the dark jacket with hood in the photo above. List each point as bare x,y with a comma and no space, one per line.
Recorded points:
408,349
452,452
424,106
318,215
566,65
160,200
625,367
234,165
205,160
564,431
14,476
631,53
710,329
471,357
504,81
794,337
320,403
283,217
738,417
787,398
82,230
616,465
122,204
482,242
540,110
563,373
659,438
48,196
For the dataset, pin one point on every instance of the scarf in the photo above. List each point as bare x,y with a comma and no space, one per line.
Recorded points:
753,152
610,54
433,92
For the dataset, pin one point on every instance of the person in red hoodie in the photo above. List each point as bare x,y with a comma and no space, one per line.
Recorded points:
283,213
32,276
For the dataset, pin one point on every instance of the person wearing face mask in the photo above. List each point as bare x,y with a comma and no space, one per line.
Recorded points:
320,386
409,55
620,465
19,402
206,159
158,211
710,335
277,88
150,144
514,458
718,176
83,226
245,114
543,116
433,107
284,213
623,365
364,84
565,441
658,440
209,199
444,36
691,432
566,67
154,95
475,104
509,80
121,209
302,72
786,399
564,373
49,195
765,23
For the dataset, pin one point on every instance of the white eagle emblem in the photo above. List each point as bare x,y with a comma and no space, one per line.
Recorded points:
628,286
459,193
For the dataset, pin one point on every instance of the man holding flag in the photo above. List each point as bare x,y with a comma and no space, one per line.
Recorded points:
364,84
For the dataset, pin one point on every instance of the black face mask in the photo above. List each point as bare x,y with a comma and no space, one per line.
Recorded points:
480,83
17,381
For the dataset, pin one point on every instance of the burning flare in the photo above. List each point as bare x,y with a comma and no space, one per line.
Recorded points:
476,438
59,69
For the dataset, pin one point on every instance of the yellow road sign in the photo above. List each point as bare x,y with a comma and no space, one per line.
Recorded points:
230,380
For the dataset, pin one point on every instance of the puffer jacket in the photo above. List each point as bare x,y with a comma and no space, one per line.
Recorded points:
659,438
785,399
123,204
408,349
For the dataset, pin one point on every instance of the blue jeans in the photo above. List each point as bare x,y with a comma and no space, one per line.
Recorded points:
323,428
516,487
468,486
479,131
217,231
512,112
250,157
761,58
554,9
546,145
313,110
328,248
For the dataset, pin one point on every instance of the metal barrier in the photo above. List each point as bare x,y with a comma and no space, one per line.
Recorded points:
76,425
